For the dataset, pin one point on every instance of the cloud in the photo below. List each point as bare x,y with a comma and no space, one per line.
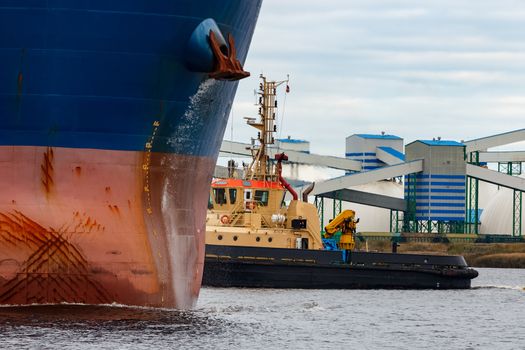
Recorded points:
447,68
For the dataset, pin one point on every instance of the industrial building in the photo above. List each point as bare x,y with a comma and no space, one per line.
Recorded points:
374,151
436,196
446,185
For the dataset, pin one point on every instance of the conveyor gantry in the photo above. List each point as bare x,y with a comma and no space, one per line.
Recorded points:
243,149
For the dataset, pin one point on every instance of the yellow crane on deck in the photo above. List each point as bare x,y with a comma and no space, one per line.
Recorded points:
346,223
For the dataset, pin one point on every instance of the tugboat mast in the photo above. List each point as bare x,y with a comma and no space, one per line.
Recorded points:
261,168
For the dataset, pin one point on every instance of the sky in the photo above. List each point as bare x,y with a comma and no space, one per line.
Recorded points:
416,69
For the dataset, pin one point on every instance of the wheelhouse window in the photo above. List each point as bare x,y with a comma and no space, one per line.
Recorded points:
261,197
233,195
210,202
220,195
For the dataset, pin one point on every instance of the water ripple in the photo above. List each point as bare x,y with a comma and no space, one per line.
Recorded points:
484,317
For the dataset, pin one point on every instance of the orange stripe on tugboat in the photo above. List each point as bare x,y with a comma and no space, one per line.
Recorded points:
246,183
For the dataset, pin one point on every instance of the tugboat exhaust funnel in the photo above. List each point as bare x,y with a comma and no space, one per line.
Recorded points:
308,190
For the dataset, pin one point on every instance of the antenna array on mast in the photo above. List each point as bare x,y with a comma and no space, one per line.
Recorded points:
261,168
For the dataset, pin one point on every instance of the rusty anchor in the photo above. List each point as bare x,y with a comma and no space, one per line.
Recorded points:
227,66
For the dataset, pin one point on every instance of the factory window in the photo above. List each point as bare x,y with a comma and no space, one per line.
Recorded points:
261,197
233,195
220,195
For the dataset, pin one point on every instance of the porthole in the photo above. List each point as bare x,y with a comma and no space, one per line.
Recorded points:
258,239
270,239
235,238
219,237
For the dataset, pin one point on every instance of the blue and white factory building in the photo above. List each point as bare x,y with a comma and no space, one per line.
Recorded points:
439,190
375,151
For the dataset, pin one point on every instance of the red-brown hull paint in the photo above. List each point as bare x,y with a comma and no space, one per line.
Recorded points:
100,226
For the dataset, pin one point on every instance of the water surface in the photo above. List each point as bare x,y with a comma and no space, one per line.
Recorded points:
489,316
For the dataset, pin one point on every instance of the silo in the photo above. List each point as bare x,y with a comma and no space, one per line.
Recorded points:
497,216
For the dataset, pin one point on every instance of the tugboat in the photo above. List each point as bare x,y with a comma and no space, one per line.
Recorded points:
254,239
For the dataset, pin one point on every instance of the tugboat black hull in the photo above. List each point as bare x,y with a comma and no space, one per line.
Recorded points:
250,267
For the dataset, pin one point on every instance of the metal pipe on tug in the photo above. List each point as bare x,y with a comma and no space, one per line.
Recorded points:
280,157
307,191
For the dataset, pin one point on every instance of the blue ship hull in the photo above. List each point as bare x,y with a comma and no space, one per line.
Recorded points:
110,126
96,74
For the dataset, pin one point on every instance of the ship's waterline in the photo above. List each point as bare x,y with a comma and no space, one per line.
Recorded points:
97,226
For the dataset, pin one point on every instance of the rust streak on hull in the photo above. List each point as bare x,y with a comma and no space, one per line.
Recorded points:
94,241
47,170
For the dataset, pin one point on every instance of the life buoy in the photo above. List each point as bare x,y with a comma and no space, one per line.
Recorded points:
225,219
250,205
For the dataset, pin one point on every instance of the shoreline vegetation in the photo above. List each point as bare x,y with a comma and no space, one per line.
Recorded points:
498,255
